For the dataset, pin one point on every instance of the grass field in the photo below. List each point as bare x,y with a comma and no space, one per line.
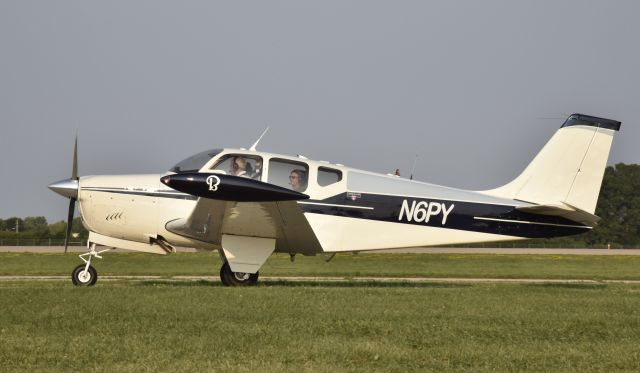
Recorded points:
195,326
349,265
162,325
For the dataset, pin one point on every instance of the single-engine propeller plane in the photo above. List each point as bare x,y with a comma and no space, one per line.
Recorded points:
247,204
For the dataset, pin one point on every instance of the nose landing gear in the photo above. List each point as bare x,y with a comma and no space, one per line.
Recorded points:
85,274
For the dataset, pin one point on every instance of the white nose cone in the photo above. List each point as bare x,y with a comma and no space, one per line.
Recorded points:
66,188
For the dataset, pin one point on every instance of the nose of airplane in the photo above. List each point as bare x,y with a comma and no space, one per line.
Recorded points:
65,188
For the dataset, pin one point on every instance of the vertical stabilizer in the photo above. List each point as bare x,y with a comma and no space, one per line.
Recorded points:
569,169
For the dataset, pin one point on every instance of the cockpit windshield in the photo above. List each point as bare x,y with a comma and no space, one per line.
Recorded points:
195,162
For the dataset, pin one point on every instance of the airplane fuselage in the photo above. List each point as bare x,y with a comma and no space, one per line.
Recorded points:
361,211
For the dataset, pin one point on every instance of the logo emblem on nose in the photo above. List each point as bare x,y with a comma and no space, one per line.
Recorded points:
213,181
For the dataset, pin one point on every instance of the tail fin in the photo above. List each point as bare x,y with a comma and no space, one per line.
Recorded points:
570,167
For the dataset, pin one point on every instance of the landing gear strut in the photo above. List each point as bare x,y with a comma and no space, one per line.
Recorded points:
230,278
85,274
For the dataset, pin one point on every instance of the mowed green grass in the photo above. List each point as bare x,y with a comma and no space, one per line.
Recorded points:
291,327
347,265
165,325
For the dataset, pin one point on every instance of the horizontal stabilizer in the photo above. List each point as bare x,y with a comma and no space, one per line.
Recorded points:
563,210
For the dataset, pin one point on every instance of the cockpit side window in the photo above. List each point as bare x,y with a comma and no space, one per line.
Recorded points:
328,176
249,166
195,162
289,174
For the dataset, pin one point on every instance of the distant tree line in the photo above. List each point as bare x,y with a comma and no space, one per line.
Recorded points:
37,227
619,210
618,206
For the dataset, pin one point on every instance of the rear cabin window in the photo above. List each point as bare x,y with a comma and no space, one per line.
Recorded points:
328,176
289,174
240,165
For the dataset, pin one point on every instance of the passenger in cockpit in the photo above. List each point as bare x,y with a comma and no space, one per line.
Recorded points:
298,180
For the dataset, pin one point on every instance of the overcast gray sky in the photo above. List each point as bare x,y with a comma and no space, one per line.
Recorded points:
469,85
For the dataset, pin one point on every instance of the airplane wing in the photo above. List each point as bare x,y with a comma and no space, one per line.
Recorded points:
245,212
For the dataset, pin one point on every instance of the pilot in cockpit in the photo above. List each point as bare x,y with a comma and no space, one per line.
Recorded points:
240,167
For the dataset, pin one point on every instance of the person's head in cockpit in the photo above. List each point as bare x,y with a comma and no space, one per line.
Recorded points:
240,167
298,180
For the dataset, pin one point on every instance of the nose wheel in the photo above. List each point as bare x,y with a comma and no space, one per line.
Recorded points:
85,274
230,278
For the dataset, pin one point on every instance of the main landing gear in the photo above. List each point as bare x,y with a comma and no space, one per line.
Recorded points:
85,274
230,278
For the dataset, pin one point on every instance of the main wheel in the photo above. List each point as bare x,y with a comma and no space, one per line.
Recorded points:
230,278
80,277
223,275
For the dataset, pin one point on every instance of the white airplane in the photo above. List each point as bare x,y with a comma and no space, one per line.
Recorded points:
247,204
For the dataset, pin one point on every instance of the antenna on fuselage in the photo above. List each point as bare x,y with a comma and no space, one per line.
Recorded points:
413,168
253,147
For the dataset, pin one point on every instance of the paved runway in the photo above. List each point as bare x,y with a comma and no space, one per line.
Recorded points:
418,250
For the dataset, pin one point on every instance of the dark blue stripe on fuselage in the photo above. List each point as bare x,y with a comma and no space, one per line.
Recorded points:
468,216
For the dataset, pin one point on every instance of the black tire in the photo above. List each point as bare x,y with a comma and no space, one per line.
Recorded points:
230,278
223,276
80,279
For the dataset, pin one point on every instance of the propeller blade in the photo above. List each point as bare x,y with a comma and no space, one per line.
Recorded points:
74,171
72,206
